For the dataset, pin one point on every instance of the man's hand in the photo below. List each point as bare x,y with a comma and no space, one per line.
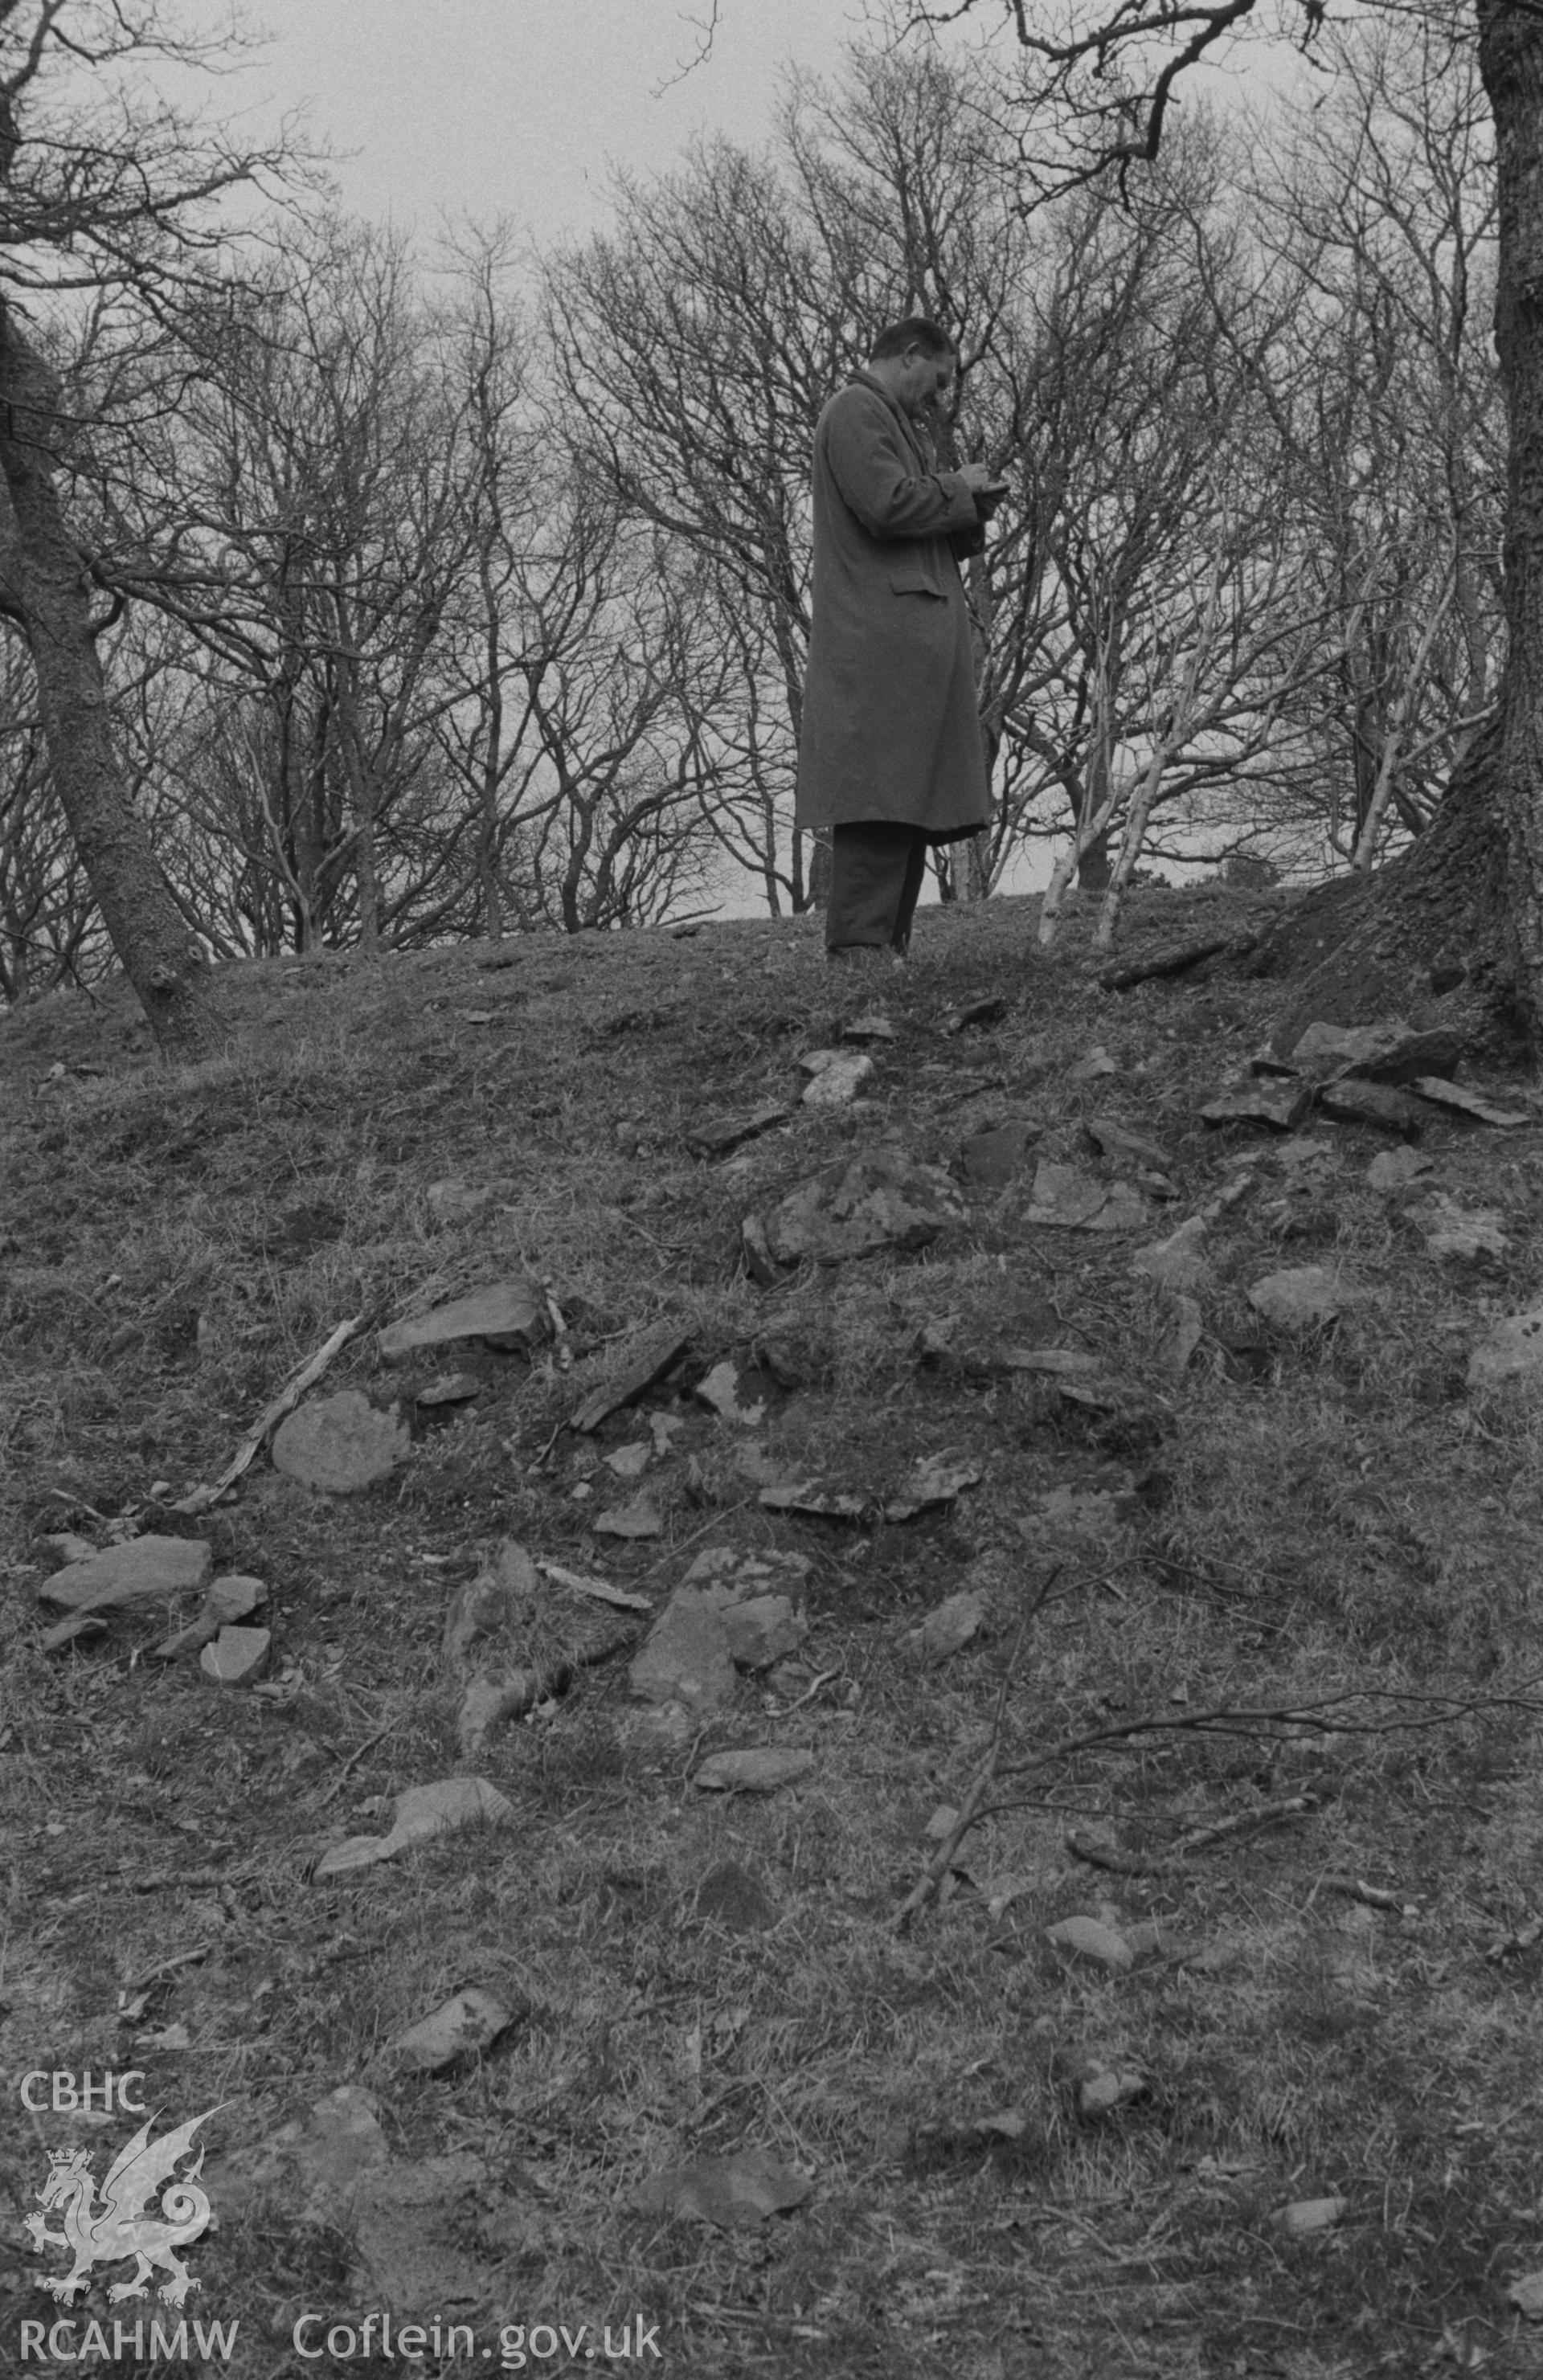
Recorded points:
984,486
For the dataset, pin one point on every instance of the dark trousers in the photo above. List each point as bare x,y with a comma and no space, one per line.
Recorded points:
876,873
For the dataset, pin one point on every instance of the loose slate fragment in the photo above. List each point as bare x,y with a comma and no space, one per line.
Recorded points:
1467,1231
735,1394
462,2028
1053,1362
511,1315
423,1811
806,1495
228,1599
341,1444
935,1479
450,1388
1076,1201
873,1025
719,1134
639,1518
143,1570
1390,1169
954,1624
653,1358
1301,1297
1089,1937
1305,2216
1176,1261
1465,1102
838,1082
1349,1100
685,1657
1094,1066
731,2193
1114,1141
1526,2296
1511,1351
763,1771
1387,1051
629,1461
1279,1106
237,1657
879,1201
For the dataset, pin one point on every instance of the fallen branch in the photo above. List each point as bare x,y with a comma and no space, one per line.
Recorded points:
200,1498
1175,960
1246,1822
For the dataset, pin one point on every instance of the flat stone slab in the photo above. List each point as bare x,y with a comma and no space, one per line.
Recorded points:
764,1771
1278,1106
422,1813
651,1356
1511,1351
1349,1100
1177,1262
839,1080
1065,1196
1391,1168
1091,1938
341,1444
1387,1051
455,2033
1301,1297
144,1569
450,1388
228,1601
512,1314
881,1201
1462,1101
735,1393
992,1158
718,1134
1116,1141
639,1518
685,1657
952,1625
765,1630
237,1657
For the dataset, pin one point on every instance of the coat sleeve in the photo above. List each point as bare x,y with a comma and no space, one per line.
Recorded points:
875,475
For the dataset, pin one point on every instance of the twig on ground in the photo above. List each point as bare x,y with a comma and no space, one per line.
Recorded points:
973,1804
809,1692
354,1758
1243,1822
200,1498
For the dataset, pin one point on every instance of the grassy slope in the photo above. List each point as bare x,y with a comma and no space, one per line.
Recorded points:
1332,1512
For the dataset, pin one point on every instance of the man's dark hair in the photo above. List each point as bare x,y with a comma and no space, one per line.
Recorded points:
915,331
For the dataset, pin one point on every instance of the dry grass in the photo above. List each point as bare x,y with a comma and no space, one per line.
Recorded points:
1316,1514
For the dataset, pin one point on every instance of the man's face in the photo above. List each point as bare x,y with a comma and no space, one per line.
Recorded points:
925,380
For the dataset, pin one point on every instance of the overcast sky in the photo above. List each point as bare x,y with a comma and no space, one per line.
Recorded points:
520,107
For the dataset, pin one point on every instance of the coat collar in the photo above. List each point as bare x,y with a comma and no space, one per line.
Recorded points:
918,438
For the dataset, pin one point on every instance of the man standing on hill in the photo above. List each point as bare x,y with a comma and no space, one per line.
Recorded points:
891,760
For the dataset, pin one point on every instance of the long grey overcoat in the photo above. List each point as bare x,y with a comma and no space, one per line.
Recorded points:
890,729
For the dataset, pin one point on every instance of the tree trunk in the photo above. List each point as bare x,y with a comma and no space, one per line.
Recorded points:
49,588
1453,928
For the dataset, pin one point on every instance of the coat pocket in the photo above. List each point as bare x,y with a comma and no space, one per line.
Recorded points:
916,581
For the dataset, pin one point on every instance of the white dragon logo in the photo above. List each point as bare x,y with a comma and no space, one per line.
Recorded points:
120,2227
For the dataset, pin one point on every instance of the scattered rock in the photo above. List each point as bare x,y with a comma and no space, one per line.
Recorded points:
882,1200
761,1771
1089,1937
1187,1330
1053,1362
1526,2296
1306,2216
457,1202
1072,1200
69,1548
1280,1106
838,1078
1093,1066
423,1813
450,1388
143,1570
816,1502
493,1606
989,1010
935,1479
735,1394
954,1624
873,1025
720,1134
639,1518
1176,1262
1115,1142
409,2224
1467,1231
341,1444
1102,2084
228,1599
629,1461
1390,1169
731,1896
1300,1298
1388,1052
762,1631
1466,1102
652,1357
1082,1515
731,2193
734,1575
685,1657
462,2028
990,1160
509,1315
1512,1350
1351,1101
237,1657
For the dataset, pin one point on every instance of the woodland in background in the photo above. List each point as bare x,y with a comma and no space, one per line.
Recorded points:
451,592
